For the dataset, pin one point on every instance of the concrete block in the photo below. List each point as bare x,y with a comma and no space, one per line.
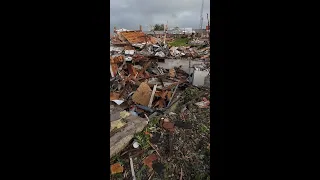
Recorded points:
199,77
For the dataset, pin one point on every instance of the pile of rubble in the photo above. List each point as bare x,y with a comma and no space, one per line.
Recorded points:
198,42
187,51
156,89
130,43
143,81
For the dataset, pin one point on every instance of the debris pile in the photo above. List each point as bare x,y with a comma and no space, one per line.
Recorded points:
130,43
198,42
173,141
151,95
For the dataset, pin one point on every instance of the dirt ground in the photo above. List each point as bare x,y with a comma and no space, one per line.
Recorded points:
190,143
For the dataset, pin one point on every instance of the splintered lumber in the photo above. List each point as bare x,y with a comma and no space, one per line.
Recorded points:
121,139
152,95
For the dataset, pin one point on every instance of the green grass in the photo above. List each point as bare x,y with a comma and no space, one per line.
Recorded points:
142,139
190,93
202,177
153,122
116,159
139,173
204,129
179,42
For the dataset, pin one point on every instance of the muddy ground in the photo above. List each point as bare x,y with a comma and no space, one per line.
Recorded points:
190,143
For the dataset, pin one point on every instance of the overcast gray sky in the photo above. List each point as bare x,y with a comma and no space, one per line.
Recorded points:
129,14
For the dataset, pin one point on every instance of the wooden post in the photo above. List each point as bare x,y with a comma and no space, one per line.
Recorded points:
111,71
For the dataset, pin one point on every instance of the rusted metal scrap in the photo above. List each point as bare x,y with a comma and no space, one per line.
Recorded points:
114,69
145,67
132,70
166,124
135,37
116,59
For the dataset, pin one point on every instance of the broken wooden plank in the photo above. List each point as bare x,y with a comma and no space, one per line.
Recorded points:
173,95
114,68
145,67
152,95
116,59
132,169
120,140
111,71
132,70
174,84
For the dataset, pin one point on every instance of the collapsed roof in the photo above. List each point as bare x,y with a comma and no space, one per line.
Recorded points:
132,37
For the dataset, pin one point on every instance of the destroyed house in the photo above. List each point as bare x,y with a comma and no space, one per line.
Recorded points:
170,33
200,32
157,34
132,37
124,37
186,30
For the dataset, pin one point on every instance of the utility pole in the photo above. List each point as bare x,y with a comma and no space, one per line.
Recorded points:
208,31
201,17
165,32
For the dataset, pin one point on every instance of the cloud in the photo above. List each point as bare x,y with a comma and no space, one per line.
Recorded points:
129,14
